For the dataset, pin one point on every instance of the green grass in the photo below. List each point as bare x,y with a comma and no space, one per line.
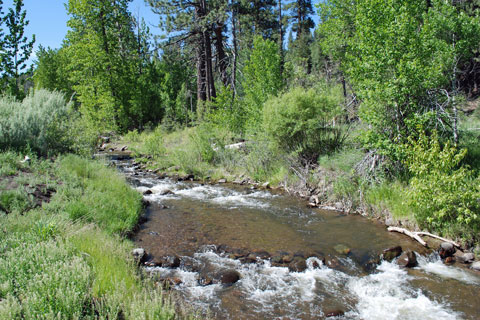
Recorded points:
391,197
92,193
55,266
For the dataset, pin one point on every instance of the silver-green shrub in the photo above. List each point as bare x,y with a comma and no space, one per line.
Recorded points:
41,122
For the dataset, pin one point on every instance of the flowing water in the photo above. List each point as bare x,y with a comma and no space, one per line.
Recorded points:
206,225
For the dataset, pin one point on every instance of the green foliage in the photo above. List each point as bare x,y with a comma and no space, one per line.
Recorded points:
224,110
15,201
401,57
444,194
50,72
93,193
16,50
263,78
391,197
303,121
42,122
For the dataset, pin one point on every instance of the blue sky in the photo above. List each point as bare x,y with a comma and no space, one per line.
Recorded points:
48,20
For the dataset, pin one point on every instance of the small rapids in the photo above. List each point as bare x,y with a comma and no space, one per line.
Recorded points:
195,221
265,291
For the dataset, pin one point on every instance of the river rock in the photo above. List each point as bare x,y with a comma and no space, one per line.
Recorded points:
334,313
287,258
205,281
139,254
475,266
169,262
229,277
250,258
262,254
391,253
407,259
147,192
222,181
466,257
277,260
298,265
342,249
166,192
446,250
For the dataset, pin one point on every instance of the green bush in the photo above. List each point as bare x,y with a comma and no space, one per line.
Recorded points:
41,122
444,194
303,121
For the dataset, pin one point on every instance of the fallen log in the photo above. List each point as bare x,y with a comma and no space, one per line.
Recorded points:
413,235
426,234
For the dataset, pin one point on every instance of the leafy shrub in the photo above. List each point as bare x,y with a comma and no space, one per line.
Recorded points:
42,122
444,194
302,121
263,79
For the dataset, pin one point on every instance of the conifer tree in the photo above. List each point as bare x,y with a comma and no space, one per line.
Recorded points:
16,50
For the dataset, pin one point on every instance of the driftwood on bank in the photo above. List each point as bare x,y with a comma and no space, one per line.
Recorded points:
411,234
416,236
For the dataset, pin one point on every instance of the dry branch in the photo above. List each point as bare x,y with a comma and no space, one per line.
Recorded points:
413,235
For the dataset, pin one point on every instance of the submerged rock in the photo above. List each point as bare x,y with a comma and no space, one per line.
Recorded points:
391,253
476,266
298,265
408,259
342,249
229,277
446,250
166,192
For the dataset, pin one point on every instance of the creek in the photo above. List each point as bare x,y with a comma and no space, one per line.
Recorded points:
214,229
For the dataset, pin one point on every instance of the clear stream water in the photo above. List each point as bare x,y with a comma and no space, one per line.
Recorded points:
192,220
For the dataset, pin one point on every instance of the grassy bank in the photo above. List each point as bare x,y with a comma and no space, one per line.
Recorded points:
69,259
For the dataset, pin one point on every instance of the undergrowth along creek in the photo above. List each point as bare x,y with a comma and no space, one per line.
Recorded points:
68,258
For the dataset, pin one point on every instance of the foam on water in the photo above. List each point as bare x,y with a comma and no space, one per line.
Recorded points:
387,295
434,265
214,194
266,289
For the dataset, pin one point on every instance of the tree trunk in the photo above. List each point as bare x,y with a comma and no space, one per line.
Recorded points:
221,57
235,52
211,93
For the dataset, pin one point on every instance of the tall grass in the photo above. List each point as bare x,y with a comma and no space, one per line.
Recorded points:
92,193
56,267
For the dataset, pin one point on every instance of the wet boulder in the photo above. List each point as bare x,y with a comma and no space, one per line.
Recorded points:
446,250
147,192
229,277
166,192
407,259
298,264
168,262
466,257
139,254
261,254
250,258
475,266
391,253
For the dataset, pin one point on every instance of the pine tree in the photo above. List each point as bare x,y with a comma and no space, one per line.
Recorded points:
16,50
